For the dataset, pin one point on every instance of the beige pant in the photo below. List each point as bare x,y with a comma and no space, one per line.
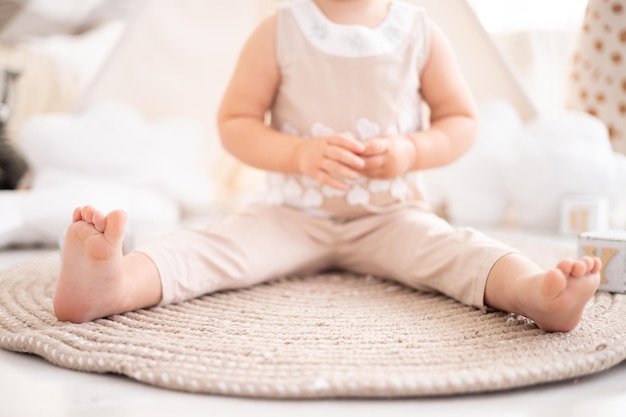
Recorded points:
412,246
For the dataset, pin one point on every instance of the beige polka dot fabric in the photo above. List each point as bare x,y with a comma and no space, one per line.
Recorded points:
598,77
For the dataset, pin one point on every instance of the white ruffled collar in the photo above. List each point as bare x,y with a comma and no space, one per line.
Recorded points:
353,40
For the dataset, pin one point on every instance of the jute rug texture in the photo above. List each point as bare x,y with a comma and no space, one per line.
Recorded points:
331,335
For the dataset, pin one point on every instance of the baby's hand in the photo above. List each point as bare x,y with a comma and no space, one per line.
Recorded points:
387,157
330,160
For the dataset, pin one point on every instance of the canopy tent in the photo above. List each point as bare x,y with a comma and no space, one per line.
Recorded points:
176,57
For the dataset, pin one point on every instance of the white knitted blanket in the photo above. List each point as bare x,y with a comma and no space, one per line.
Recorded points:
332,335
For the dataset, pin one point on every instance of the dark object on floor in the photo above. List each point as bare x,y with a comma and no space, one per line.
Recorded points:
13,167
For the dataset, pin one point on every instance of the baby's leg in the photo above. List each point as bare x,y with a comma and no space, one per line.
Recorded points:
554,299
96,280
468,266
244,249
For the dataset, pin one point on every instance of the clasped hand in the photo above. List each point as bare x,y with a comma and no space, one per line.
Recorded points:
338,160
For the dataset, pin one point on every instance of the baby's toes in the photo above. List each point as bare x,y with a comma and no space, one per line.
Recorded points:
597,265
588,260
566,266
553,283
579,268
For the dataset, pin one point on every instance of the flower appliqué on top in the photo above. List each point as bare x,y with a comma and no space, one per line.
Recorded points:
303,191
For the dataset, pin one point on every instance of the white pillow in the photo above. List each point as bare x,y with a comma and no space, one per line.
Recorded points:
113,142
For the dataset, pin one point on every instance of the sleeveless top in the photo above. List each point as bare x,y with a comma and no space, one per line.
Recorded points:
350,80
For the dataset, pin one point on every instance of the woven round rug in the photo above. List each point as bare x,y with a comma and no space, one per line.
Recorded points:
331,335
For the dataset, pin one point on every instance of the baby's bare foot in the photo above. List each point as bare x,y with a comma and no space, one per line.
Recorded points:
91,270
560,294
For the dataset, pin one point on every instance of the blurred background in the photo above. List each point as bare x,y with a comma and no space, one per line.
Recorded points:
61,45
539,36
160,60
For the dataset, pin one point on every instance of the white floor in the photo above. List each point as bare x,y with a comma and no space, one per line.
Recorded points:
30,386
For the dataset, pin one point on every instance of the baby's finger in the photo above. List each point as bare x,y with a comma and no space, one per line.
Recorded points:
347,143
337,169
373,162
331,181
344,157
375,147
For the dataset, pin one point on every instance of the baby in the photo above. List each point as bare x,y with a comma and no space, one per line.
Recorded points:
344,83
